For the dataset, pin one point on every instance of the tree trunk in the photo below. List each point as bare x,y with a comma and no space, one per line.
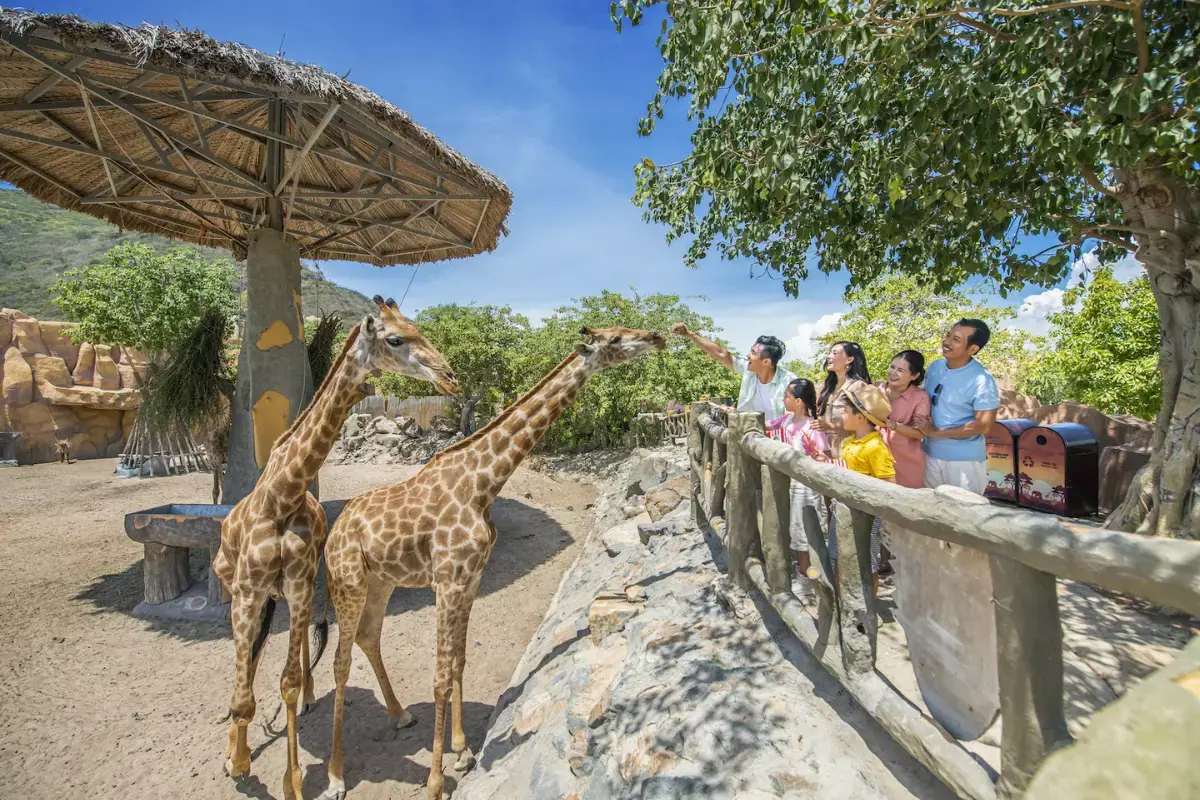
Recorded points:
466,421
1164,499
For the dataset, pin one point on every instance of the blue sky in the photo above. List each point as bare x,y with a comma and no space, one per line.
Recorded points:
546,96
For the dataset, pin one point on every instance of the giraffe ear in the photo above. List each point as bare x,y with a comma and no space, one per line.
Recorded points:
583,349
368,327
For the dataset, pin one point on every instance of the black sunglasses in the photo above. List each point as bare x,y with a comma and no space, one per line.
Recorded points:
936,392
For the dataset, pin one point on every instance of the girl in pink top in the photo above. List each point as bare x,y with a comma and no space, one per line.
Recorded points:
797,429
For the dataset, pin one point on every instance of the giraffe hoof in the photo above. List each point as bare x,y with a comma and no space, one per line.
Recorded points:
335,792
466,760
236,770
405,720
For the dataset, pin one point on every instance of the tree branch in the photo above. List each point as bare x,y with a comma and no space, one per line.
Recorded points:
1139,28
983,27
1093,180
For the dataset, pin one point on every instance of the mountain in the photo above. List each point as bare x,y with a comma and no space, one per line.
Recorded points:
38,242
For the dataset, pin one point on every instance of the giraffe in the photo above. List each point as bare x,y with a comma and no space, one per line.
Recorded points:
271,541
435,530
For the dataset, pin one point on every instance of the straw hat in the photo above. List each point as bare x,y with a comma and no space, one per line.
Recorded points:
870,401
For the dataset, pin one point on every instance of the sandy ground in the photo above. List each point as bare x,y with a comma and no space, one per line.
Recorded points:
98,704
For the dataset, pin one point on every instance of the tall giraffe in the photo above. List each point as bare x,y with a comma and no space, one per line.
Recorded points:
271,541
435,530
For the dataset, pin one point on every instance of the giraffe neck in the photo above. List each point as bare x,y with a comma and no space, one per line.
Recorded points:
299,453
512,436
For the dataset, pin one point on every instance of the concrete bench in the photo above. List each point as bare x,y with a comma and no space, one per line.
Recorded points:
169,532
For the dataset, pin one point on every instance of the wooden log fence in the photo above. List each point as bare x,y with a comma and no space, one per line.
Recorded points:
740,489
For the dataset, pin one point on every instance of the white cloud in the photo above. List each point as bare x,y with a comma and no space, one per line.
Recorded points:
1032,315
804,345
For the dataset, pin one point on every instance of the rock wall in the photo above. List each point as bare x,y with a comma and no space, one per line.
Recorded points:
52,390
1115,431
653,677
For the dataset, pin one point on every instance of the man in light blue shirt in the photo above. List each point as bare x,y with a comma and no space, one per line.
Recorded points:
963,399
763,380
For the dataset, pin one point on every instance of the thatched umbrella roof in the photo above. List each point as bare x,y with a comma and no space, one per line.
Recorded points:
171,132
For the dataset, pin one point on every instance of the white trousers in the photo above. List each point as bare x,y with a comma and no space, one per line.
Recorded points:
969,475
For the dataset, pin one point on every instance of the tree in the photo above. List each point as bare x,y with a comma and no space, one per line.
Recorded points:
932,138
136,297
323,339
482,344
610,400
1104,347
899,312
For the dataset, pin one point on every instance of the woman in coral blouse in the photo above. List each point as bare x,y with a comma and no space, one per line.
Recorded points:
910,410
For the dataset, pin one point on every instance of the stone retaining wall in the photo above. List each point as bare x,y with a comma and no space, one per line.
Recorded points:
653,677
52,389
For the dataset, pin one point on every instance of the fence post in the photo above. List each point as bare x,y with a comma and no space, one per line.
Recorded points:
741,518
720,470
1029,648
856,595
695,447
706,469
776,523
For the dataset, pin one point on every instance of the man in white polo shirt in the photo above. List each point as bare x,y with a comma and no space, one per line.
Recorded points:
763,380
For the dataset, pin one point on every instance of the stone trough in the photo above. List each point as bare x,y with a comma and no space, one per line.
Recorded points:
168,533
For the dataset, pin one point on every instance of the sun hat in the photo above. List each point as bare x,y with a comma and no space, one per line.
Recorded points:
869,400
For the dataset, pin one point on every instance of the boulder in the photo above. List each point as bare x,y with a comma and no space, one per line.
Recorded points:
385,426
6,329
57,338
84,371
49,370
107,376
28,335
662,527
608,614
619,538
650,469
91,397
660,501
129,369
16,385
409,427
443,426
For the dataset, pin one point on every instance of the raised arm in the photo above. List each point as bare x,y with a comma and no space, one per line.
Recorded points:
707,346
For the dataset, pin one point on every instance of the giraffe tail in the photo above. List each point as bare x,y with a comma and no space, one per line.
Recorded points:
320,634
264,628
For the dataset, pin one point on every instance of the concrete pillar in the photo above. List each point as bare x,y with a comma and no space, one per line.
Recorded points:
274,382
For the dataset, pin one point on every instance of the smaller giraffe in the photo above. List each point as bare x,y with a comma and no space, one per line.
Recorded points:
435,530
271,541
216,447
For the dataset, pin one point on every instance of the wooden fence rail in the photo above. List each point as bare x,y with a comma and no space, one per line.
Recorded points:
740,488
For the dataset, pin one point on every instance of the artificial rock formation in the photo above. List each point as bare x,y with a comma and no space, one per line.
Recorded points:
52,390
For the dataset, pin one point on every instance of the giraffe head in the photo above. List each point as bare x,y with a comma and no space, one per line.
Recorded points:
608,346
391,342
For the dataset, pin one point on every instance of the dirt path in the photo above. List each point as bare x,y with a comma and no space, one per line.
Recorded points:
101,705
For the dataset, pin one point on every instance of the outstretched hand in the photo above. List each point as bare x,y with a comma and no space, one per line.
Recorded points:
680,329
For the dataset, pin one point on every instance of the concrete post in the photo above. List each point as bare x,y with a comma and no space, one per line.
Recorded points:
273,376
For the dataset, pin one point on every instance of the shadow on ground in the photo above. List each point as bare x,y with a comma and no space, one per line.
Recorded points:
528,537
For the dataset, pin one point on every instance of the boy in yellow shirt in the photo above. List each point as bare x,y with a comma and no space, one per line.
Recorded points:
865,408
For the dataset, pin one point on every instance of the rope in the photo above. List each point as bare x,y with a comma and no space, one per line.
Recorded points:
416,269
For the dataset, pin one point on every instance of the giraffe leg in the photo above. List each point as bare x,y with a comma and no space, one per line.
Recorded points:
298,589
246,616
306,676
453,611
458,739
348,605
370,631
